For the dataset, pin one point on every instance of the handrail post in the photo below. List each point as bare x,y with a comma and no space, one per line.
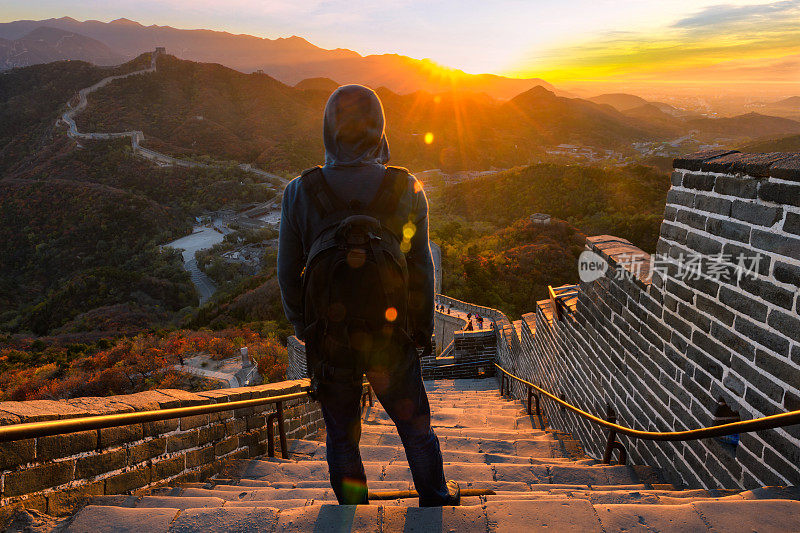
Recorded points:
271,434
282,431
276,415
611,442
530,394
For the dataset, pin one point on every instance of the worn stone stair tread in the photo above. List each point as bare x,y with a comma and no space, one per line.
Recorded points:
480,433
243,484
178,502
392,454
225,520
537,485
111,519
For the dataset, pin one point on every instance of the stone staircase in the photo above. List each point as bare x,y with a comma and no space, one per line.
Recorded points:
540,479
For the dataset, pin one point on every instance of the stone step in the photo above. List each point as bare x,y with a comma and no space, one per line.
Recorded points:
480,433
455,420
565,472
223,494
312,450
545,513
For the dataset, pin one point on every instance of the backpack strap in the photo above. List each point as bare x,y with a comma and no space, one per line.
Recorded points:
317,188
393,186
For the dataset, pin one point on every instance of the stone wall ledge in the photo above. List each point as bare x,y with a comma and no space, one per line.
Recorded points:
779,165
57,473
42,410
621,253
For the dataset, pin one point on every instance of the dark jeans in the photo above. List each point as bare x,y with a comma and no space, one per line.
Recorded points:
400,390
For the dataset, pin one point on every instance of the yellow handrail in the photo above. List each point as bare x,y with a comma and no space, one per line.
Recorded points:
756,424
47,428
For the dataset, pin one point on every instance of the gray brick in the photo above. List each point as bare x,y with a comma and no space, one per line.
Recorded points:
673,233
766,338
780,193
713,204
728,229
693,316
676,178
733,186
761,403
756,213
787,324
767,291
733,341
704,245
778,244
680,291
792,223
778,367
710,307
754,378
743,303
715,350
683,198
691,218
786,273
703,182
678,324
734,384
791,401
702,359
702,284
669,213
740,253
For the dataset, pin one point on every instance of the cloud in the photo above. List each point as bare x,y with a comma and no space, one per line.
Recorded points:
726,14
720,35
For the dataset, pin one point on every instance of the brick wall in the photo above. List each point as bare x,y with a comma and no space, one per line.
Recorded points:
296,352
444,328
662,347
54,474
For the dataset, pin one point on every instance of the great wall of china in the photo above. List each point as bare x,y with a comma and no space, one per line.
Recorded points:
647,341
136,137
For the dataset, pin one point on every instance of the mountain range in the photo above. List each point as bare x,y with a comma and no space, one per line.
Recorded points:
45,44
289,60
188,108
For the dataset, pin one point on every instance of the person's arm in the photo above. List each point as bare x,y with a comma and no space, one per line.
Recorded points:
290,263
420,273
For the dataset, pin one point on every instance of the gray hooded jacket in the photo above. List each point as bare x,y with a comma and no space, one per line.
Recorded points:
356,153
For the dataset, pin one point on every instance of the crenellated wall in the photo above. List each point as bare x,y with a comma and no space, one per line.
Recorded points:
662,342
55,474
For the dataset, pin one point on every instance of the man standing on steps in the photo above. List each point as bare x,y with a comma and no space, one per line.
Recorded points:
356,278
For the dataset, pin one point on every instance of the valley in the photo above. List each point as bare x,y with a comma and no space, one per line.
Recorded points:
209,149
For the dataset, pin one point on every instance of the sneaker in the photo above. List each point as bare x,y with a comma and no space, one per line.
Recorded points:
454,493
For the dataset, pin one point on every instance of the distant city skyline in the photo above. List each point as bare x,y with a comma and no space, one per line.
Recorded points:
568,42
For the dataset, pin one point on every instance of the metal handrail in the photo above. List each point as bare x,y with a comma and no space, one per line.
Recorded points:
48,428
722,430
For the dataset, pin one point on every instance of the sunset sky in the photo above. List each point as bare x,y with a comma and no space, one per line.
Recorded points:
566,41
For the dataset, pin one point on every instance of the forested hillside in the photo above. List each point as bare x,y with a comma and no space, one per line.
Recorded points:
188,108
625,201
32,98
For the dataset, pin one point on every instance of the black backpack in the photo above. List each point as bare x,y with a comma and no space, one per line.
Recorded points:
355,281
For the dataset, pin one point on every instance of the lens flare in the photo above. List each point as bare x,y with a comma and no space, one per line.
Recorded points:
409,229
429,138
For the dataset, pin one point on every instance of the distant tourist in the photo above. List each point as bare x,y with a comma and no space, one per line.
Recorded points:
340,256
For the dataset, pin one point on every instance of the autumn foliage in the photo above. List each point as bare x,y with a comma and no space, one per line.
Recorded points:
35,369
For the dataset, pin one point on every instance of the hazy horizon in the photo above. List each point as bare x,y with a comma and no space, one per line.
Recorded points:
641,47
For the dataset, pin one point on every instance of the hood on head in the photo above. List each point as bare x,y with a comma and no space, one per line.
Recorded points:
353,129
